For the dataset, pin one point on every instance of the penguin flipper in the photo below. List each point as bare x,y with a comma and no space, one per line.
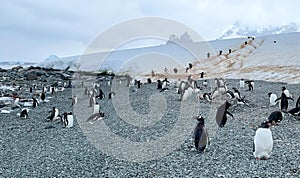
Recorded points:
277,99
227,112
290,98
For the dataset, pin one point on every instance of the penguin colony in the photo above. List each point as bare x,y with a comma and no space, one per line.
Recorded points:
262,143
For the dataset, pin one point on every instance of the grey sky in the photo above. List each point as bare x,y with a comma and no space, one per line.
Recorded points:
31,30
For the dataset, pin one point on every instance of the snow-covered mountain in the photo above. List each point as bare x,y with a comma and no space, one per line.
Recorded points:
10,64
238,31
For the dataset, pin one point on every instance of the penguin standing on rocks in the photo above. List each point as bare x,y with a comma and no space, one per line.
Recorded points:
159,84
24,113
221,116
275,117
92,100
101,94
43,96
273,98
284,104
242,83
165,84
69,120
250,85
35,102
54,114
263,142
201,138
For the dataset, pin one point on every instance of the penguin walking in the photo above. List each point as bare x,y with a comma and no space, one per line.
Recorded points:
273,98
221,116
284,104
263,142
201,138
275,117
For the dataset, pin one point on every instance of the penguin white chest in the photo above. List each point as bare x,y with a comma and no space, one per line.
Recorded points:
273,97
263,143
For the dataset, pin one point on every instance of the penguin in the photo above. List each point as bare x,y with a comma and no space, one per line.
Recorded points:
275,117
96,116
92,100
111,95
201,138
294,111
35,102
221,116
43,96
187,94
230,94
74,100
159,84
242,83
286,91
69,120
272,97
101,94
165,84
298,102
139,84
205,84
30,90
63,119
54,114
149,80
250,85
263,142
236,93
96,108
207,96
24,113
284,102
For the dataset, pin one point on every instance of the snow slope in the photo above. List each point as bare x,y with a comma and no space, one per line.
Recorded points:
271,58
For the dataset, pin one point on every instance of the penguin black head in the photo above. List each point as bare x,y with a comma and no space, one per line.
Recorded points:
200,119
265,124
269,94
283,88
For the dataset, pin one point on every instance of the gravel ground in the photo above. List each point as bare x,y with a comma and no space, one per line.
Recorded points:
28,149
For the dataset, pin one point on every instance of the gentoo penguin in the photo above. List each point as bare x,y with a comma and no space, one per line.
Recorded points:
101,94
54,114
221,116
74,100
111,95
24,113
92,100
69,120
96,116
275,117
284,104
35,102
263,142
165,84
298,102
43,96
250,85
294,111
96,108
242,83
159,85
272,97
236,93
205,84
201,138
286,91
187,94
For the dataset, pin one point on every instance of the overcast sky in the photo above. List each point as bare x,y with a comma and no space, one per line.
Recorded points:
31,30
